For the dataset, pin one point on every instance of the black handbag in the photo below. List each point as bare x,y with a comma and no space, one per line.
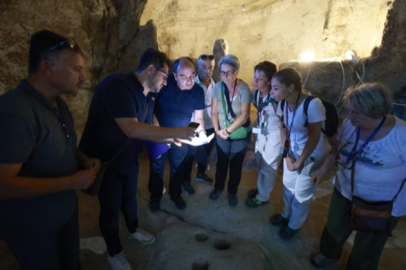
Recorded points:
373,217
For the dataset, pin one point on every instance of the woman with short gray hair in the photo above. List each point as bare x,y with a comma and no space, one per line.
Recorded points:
230,110
376,170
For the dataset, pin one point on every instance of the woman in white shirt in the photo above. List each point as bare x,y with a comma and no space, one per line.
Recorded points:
305,146
379,170
268,138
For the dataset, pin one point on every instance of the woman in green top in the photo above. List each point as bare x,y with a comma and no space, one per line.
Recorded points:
230,153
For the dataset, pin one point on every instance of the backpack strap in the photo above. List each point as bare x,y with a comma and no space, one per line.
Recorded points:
306,108
283,113
256,97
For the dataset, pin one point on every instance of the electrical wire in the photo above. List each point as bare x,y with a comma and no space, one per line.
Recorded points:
342,89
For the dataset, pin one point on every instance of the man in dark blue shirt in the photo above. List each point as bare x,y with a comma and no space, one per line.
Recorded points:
174,107
121,110
39,161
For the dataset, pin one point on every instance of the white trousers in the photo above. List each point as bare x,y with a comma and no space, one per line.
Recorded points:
266,175
298,192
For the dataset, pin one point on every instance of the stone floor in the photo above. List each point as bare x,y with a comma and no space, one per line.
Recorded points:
215,234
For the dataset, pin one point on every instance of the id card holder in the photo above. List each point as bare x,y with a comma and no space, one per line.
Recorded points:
256,130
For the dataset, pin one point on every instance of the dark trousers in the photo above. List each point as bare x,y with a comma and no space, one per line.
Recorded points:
117,192
230,154
201,153
367,247
58,250
176,156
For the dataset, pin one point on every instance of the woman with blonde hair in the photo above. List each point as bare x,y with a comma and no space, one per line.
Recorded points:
371,146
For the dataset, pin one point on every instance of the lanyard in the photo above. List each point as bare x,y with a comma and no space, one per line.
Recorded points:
366,142
262,104
231,98
293,117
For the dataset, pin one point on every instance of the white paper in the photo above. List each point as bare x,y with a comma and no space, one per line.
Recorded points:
197,141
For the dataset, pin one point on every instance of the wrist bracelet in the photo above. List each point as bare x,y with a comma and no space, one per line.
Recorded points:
228,132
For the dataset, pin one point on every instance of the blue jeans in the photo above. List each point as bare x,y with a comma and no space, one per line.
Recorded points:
58,250
176,156
230,153
118,191
202,153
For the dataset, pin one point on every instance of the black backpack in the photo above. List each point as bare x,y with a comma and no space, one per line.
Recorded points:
331,122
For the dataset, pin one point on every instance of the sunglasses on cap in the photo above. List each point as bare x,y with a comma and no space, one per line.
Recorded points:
67,43
206,56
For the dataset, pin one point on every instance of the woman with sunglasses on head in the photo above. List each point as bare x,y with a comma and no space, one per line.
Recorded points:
371,144
230,104
305,146
268,138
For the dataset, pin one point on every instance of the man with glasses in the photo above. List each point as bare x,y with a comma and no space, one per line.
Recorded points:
121,109
205,67
174,107
39,161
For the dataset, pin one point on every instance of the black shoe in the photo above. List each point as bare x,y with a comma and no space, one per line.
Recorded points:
286,233
154,206
188,188
252,193
215,194
201,177
178,200
279,220
232,199
254,202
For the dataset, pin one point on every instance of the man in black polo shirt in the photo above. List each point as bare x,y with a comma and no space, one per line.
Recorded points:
174,107
39,161
122,108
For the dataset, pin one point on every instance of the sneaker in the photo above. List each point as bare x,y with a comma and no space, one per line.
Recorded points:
215,194
232,199
163,190
187,187
254,202
319,260
286,233
178,200
202,177
279,220
154,206
142,236
252,193
118,262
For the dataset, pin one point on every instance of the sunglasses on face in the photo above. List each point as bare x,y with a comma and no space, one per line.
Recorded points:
226,73
206,56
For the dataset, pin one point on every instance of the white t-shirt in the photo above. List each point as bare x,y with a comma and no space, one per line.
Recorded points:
207,100
298,133
269,139
379,170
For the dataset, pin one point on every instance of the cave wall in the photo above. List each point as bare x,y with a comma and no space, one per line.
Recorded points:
114,33
104,29
274,30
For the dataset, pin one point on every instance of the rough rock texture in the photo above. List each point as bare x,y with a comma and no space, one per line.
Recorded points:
103,29
276,30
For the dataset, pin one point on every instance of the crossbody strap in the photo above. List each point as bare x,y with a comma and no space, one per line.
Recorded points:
222,99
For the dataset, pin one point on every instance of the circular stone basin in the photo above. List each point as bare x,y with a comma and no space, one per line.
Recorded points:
201,237
200,264
221,244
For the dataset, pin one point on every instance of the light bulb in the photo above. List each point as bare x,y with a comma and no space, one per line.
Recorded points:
307,56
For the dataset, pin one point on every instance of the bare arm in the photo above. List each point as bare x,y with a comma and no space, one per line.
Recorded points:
215,120
327,165
136,130
314,131
14,187
199,118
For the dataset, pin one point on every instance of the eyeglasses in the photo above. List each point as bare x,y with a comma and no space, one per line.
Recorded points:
163,72
205,56
226,73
